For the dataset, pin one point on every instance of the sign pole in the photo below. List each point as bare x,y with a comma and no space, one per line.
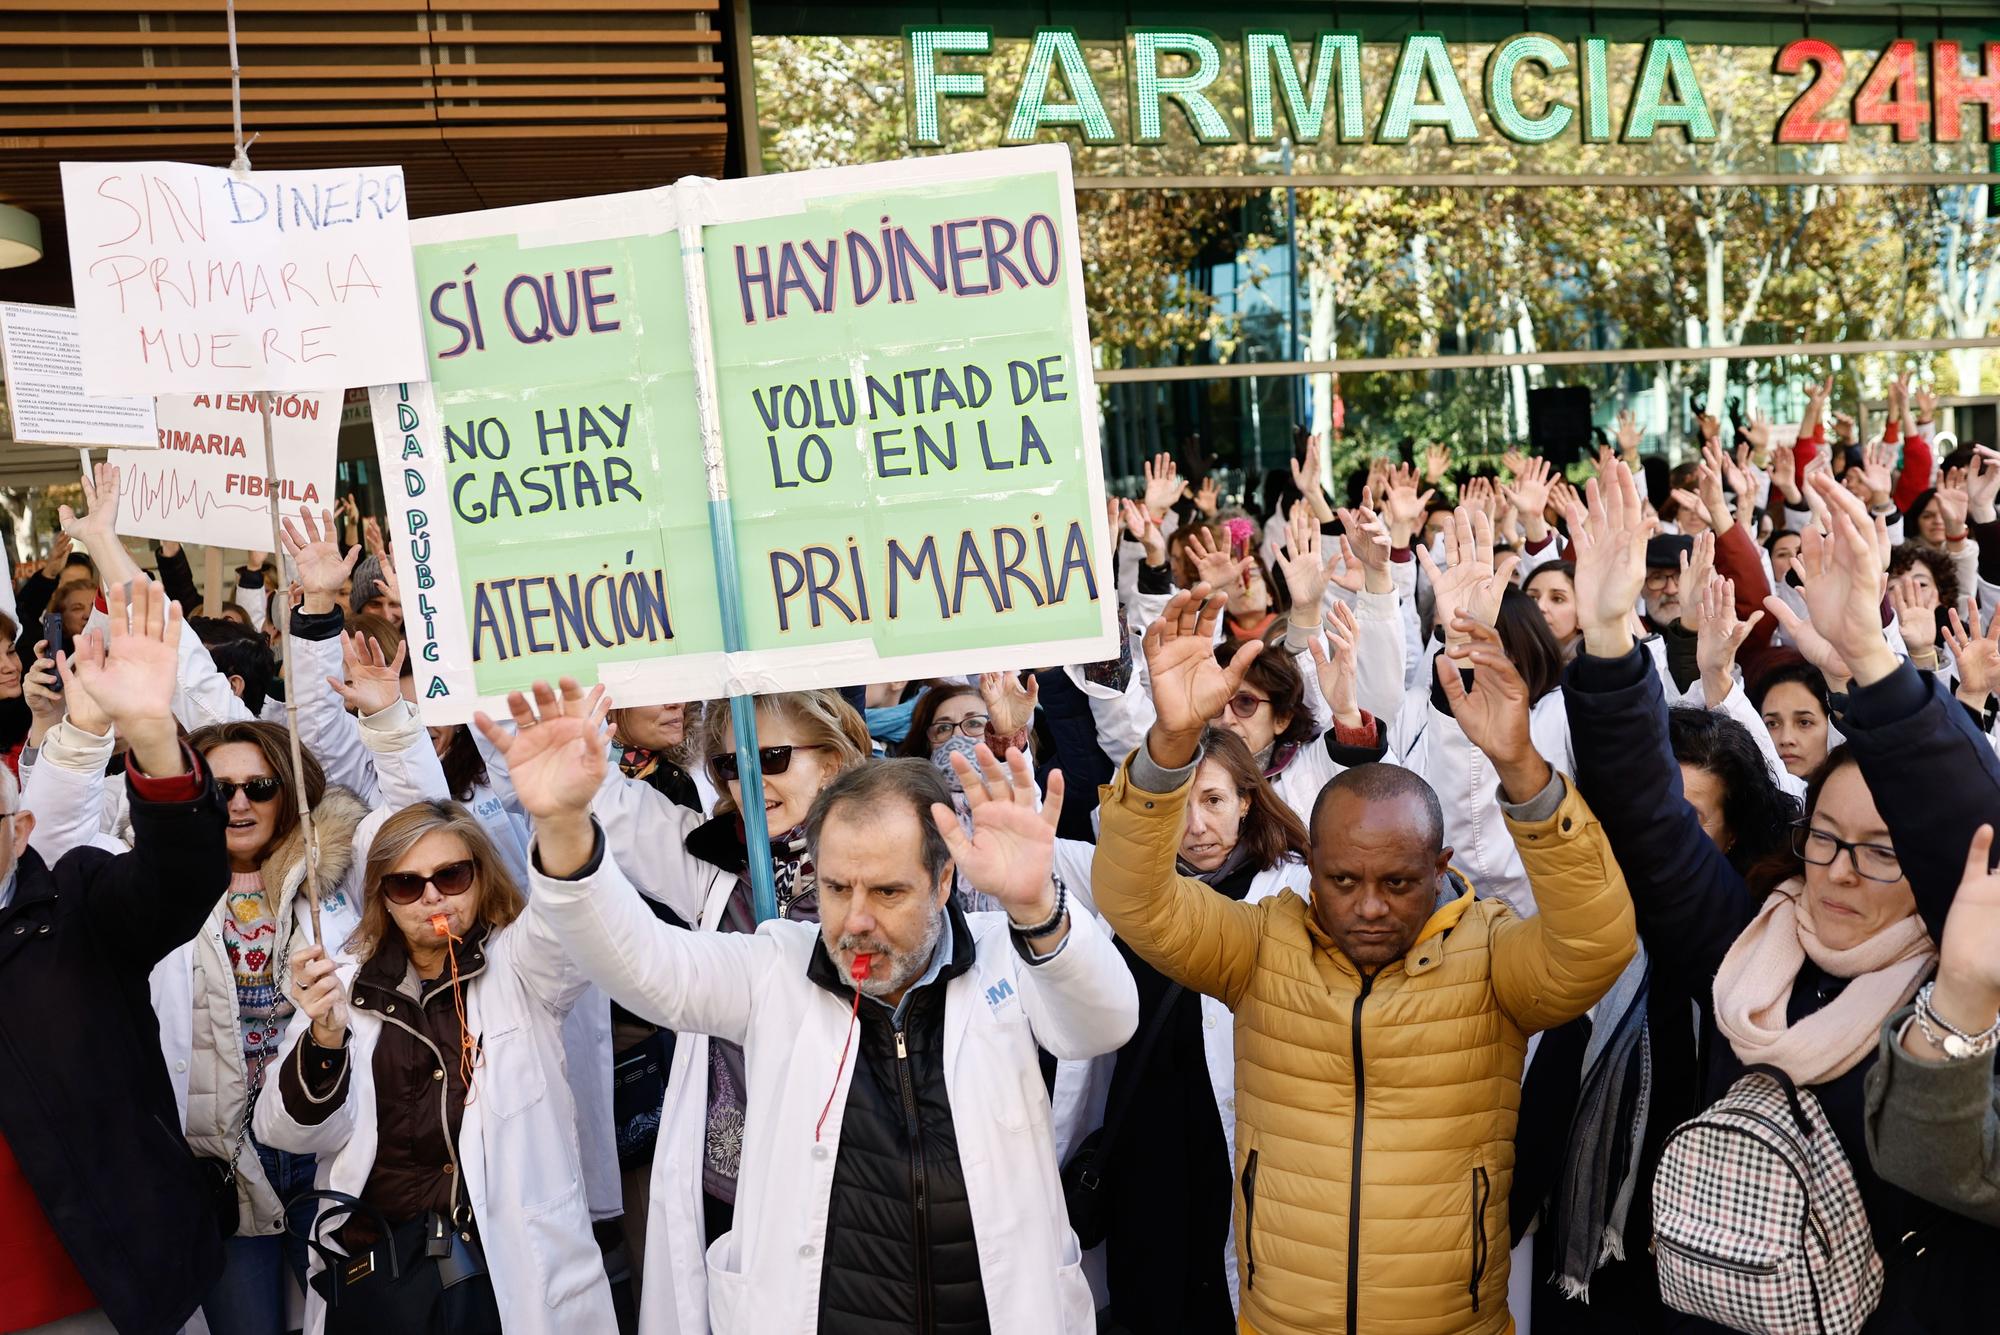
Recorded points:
282,601
742,708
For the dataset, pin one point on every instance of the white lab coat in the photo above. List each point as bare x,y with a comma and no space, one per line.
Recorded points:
517,1143
763,1278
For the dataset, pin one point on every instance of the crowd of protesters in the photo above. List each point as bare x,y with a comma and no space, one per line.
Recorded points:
1501,901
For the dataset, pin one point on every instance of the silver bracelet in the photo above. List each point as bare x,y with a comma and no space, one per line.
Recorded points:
1956,1043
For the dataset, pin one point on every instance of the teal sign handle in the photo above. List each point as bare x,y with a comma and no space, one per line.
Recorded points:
743,717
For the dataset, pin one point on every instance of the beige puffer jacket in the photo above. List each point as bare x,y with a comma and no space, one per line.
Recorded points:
217,1086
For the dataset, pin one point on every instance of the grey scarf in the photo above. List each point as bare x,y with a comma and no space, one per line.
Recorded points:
1611,1109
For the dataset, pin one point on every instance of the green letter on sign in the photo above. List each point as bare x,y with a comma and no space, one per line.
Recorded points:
1426,58
1338,57
1150,88
1528,48
1667,62
923,85
1032,108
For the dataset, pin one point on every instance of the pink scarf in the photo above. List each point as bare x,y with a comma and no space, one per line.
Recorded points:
1754,985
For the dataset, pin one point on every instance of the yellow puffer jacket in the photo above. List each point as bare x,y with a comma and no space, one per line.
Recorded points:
1410,1080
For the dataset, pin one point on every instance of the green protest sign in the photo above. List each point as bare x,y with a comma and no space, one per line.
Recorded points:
892,366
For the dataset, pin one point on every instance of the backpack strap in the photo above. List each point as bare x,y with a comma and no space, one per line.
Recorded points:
1784,1082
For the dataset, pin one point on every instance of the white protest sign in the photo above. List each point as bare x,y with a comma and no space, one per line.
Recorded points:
206,482
46,403
198,279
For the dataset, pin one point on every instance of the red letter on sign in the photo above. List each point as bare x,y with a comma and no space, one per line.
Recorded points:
1803,121
1950,86
1889,97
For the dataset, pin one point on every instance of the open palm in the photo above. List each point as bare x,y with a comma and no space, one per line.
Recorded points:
557,760
1970,952
130,673
1012,848
373,683
1609,536
1189,686
322,569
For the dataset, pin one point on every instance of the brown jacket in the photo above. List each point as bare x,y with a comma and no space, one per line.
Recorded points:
1375,1115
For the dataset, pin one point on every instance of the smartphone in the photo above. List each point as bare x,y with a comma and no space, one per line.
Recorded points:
52,631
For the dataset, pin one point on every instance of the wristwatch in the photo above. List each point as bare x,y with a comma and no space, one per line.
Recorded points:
1957,1044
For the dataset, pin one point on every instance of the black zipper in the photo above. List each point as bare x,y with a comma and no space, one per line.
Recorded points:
919,1192
1700,1257
1249,1220
1482,1195
1354,1171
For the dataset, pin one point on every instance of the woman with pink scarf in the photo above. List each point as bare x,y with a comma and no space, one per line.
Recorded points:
1803,978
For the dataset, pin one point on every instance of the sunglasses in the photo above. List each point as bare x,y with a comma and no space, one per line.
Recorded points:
771,759
407,887
257,790
1245,705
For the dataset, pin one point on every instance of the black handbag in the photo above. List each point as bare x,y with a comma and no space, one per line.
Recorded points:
218,1179
638,1089
423,1277
1086,1192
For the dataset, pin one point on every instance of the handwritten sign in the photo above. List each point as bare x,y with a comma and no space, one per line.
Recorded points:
206,481
198,279
46,403
899,362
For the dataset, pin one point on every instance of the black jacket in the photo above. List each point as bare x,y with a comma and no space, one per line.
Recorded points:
85,1102
1935,780
900,1250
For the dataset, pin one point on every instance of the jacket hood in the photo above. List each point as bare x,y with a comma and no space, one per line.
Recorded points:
335,819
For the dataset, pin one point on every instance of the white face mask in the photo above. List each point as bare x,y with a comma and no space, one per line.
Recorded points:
941,756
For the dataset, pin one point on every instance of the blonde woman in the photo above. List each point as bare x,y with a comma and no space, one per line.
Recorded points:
424,1070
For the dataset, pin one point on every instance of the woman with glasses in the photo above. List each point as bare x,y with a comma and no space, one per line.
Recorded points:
1803,974
424,1071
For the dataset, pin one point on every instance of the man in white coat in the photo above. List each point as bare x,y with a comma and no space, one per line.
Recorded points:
905,1180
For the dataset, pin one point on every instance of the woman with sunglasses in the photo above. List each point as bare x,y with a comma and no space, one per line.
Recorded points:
424,1071
1801,978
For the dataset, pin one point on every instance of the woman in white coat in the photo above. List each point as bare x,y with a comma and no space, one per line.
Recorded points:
425,1072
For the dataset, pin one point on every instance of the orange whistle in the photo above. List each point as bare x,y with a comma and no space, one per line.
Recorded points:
440,924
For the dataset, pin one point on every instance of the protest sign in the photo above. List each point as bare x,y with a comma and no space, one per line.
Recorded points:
206,482
899,366
46,403
200,279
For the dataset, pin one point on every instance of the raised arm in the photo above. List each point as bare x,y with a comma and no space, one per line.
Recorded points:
319,658
699,981
1182,928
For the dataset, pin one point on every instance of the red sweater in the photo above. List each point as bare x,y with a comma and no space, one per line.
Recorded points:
38,1281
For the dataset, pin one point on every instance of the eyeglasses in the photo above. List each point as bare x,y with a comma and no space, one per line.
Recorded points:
771,759
1872,861
257,790
1245,705
1657,579
972,725
407,887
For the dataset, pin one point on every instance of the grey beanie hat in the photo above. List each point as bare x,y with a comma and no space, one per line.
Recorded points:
368,583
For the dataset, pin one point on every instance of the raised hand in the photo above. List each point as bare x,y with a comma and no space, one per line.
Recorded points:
1303,567
372,683
371,538
58,557
1846,430
42,689
1785,475
557,759
1758,430
316,990
1010,706
1530,494
1708,482
1608,537
1163,484
1954,500
1968,977
97,525
1214,564
1697,566
1629,434
1190,688
1305,476
1208,498
322,569
1437,461
1402,505
129,673
1144,529
1470,582
1875,468
1926,399
1841,560
1711,428
1334,665
1982,485
1719,636
1977,656
1493,712
1011,851
1915,606
1364,548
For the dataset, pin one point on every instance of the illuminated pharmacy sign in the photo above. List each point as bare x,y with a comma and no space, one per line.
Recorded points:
1533,89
